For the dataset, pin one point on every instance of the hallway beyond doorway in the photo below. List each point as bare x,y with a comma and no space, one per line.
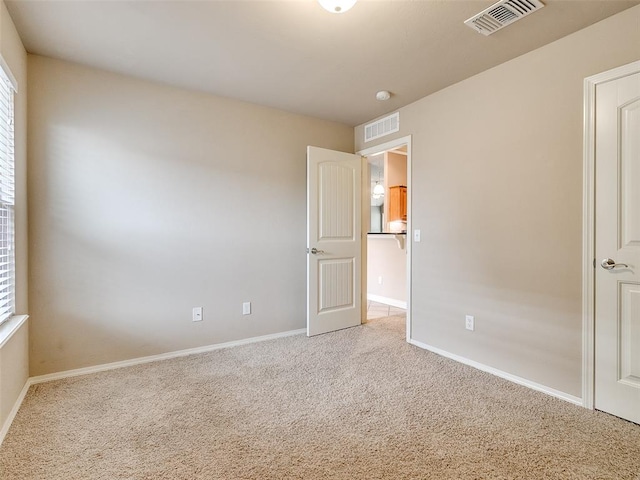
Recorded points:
380,310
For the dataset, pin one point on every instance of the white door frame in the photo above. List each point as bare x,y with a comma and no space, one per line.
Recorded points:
367,152
588,225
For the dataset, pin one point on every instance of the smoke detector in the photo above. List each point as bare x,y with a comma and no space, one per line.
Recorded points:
501,14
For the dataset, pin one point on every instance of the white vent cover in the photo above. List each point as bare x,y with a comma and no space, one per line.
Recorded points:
501,14
382,127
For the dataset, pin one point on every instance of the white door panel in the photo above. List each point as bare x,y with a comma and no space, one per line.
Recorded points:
617,239
333,240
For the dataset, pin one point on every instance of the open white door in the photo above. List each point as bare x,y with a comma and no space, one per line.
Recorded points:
334,243
617,247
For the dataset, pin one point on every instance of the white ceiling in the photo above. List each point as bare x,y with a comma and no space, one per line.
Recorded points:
292,54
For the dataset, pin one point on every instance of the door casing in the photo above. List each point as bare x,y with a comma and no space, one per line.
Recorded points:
588,237
390,145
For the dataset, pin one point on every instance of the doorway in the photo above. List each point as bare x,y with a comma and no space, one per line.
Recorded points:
386,263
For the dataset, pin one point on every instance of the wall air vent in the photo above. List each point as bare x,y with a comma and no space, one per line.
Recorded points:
501,14
382,127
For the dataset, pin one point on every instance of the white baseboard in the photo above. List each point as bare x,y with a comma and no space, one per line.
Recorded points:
499,373
162,356
218,346
14,411
387,301
128,363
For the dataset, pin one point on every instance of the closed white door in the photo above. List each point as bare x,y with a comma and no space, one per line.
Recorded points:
617,247
334,248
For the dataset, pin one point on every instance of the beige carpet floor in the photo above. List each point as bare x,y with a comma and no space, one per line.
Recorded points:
356,404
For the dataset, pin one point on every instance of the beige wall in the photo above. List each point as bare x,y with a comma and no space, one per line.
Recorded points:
386,259
497,194
147,200
14,367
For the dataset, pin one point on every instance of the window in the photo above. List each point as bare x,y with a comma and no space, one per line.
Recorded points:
7,250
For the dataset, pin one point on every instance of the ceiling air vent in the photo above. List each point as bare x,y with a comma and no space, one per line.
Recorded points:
382,127
501,14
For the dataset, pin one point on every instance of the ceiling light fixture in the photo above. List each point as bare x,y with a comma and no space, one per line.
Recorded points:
337,6
378,191
383,95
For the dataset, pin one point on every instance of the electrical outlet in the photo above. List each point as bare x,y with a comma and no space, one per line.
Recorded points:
380,280
246,308
197,314
469,322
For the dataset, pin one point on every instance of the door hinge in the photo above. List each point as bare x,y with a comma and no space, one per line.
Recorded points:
594,263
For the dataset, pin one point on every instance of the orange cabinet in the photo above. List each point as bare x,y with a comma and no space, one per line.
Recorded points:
397,203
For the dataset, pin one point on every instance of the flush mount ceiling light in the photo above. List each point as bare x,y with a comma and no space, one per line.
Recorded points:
383,95
337,6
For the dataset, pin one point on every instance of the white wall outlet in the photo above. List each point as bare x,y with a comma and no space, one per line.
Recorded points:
380,280
469,322
197,314
416,235
246,308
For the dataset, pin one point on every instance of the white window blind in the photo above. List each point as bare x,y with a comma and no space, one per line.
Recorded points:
7,251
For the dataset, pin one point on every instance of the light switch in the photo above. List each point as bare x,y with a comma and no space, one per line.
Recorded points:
246,308
416,235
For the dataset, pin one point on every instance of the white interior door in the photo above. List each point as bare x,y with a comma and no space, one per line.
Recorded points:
617,247
334,243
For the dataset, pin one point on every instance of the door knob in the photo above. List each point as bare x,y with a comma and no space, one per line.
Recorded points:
609,264
315,251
